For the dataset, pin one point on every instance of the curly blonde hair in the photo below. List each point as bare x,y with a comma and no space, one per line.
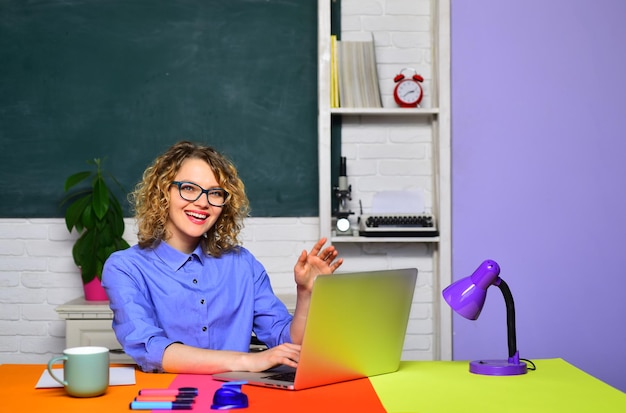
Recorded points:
151,198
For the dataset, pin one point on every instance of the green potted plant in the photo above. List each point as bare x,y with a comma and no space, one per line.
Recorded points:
97,216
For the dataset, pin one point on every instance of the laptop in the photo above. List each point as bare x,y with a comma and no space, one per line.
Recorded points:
355,329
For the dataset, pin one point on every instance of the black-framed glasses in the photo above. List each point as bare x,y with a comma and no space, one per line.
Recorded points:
191,192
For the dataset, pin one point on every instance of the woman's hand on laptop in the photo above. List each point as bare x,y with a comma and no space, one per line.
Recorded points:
287,354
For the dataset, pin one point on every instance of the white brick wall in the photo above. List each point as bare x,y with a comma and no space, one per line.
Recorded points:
393,153
402,33
37,272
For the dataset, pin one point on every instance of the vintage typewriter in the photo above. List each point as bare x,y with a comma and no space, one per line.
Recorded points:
398,225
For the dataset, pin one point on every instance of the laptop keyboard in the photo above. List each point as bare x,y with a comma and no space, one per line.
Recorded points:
288,376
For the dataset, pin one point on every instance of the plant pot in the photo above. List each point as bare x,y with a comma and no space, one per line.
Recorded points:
94,291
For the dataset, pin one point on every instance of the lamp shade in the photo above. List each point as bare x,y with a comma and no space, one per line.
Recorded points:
467,295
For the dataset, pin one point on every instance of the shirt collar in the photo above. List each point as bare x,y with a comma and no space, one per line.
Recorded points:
176,259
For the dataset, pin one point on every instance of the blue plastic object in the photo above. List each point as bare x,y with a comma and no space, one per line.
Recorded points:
229,396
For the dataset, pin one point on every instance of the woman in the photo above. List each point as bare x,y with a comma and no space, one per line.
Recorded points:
186,298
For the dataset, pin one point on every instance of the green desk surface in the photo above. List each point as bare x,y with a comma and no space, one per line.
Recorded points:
439,386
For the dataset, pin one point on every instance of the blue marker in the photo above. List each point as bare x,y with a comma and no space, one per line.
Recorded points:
135,405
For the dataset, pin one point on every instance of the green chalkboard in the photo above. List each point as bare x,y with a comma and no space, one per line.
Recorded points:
125,79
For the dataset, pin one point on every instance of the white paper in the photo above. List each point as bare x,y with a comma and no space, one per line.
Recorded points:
118,376
398,202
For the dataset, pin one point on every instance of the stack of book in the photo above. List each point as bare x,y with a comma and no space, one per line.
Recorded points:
354,77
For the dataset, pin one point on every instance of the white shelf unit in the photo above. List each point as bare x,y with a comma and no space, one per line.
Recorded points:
437,115
88,323
385,111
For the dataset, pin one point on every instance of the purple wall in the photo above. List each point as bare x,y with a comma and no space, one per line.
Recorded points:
538,176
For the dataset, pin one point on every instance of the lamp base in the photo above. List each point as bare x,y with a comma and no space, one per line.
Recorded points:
497,367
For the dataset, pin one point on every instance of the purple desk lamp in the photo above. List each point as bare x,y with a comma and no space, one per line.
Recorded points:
467,297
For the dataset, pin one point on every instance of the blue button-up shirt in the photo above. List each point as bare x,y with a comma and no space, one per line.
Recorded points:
161,296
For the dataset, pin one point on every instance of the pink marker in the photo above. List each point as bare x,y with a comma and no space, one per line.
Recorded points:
187,391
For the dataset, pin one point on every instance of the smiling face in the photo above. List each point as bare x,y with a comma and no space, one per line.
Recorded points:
188,221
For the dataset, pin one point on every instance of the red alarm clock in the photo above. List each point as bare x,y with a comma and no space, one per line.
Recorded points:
408,91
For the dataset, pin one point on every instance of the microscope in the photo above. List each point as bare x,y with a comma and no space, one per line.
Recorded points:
343,192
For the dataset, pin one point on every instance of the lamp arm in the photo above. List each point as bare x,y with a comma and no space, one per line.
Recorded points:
510,318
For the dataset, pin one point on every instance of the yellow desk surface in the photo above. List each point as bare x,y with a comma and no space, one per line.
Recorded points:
418,386
439,386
